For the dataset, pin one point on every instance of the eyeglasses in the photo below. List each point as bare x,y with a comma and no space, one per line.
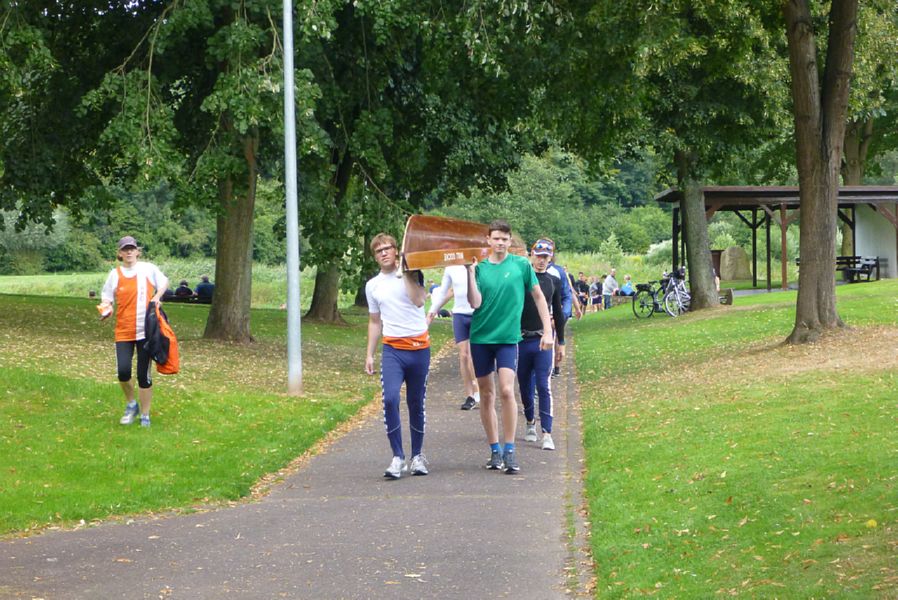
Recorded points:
383,249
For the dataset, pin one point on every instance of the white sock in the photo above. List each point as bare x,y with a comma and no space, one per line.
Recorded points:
476,396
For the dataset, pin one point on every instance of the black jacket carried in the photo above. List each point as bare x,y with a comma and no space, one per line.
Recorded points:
156,344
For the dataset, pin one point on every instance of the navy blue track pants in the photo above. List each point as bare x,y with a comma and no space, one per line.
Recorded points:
411,367
535,367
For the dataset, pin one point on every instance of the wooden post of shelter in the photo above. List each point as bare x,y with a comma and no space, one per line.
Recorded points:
767,223
675,241
784,248
754,247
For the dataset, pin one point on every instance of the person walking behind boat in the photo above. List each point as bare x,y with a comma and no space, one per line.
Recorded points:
534,363
455,278
496,289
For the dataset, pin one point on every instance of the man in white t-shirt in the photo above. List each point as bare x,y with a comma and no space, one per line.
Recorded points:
396,313
609,288
455,278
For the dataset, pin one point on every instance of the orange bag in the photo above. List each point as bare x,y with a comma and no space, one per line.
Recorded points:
173,364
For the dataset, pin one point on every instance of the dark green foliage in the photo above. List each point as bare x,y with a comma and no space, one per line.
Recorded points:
554,195
51,54
81,251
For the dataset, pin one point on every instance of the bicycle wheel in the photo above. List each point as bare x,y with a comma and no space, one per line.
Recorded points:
675,303
643,304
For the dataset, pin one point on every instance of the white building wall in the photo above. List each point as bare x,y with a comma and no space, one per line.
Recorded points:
876,236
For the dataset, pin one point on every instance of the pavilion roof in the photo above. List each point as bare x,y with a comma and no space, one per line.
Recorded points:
735,197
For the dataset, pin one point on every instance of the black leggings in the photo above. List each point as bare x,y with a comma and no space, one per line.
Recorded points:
124,352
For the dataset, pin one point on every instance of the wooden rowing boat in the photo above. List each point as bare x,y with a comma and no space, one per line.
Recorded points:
432,242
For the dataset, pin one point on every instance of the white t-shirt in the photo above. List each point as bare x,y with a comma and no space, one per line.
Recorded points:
400,317
150,271
610,286
456,277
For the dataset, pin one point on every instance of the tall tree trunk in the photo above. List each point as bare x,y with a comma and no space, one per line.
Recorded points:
327,280
230,312
324,298
361,300
858,135
698,248
820,115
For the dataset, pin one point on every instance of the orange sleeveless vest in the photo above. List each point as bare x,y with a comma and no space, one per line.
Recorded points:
132,295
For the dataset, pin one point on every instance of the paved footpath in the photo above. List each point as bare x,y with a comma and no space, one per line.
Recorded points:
337,529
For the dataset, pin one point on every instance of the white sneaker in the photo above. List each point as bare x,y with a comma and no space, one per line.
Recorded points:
548,444
131,411
530,433
396,468
419,465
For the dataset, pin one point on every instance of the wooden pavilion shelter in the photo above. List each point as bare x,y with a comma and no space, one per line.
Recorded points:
870,211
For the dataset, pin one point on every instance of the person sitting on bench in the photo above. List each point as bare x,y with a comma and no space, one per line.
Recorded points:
183,290
205,290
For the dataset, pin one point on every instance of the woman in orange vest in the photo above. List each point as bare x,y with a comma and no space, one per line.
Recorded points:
132,286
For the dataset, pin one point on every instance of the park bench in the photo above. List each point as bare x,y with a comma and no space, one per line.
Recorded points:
865,268
855,268
186,300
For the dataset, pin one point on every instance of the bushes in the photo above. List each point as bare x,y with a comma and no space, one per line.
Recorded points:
80,252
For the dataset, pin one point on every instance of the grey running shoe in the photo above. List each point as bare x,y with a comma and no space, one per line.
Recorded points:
548,443
469,403
556,371
419,465
495,462
130,413
144,420
511,463
530,433
396,468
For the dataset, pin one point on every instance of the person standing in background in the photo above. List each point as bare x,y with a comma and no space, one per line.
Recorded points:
609,288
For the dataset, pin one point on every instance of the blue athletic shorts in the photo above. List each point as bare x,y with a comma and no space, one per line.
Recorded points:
461,327
492,357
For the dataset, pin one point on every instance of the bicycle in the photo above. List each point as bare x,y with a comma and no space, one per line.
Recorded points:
677,299
648,299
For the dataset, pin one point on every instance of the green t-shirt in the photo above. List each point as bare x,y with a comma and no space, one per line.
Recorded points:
502,287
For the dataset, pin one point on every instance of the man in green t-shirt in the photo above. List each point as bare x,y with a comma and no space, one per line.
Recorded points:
496,289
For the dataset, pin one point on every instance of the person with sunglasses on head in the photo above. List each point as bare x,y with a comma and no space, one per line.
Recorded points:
396,314
534,362
131,287
455,285
496,290
570,303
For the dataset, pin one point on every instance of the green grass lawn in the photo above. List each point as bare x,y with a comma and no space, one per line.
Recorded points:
721,462
219,426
